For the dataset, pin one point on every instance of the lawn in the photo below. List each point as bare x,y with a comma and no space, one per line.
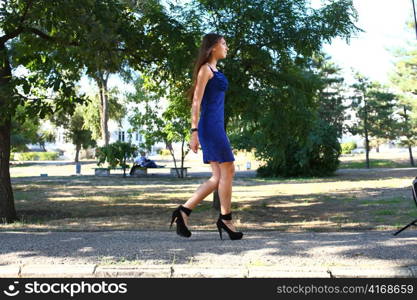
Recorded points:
376,160
352,199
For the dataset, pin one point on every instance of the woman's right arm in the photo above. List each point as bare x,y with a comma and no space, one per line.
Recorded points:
204,74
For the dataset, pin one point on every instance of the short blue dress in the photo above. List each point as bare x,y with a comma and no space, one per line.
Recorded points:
211,132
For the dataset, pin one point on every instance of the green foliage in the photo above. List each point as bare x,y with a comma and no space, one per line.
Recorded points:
405,73
37,156
348,147
164,152
274,88
28,131
168,124
374,106
48,155
404,79
318,156
76,132
331,94
24,130
117,111
116,154
56,42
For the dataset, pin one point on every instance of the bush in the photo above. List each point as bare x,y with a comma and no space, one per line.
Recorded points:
28,156
48,155
318,156
11,156
164,152
116,154
348,147
38,156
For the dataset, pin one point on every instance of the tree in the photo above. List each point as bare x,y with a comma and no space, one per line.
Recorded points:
93,115
331,96
406,128
116,154
77,134
55,41
157,123
24,131
404,79
374,108
271,103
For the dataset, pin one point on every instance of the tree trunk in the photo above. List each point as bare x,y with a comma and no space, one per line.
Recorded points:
410,151
182,158
42,144
366,134
216,200
77,153
106,111
7,208
104,105
367,149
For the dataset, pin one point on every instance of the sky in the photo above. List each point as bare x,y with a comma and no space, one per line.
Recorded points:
384,23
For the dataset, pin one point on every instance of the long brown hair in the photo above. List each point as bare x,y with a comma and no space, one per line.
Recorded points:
207,44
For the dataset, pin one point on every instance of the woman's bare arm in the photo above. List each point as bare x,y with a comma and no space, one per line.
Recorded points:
204,74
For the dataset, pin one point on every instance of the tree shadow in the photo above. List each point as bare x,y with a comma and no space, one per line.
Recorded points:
281,250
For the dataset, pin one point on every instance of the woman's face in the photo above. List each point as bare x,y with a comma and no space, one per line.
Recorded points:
220,49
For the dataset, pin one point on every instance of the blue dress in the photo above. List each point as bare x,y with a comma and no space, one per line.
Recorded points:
211,132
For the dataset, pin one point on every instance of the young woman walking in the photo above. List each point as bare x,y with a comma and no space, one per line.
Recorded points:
208,91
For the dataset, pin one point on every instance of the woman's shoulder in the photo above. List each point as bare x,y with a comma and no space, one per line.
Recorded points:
205,71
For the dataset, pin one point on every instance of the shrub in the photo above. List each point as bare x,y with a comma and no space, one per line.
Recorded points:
164,152
38,156
48,155
28,156
348,147
116,154
318,156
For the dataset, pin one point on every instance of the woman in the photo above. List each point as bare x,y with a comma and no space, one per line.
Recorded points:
207,92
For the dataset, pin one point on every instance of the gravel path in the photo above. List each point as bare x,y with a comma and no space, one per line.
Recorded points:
373,249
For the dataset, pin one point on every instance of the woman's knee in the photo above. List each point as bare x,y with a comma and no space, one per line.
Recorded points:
215,179
227,169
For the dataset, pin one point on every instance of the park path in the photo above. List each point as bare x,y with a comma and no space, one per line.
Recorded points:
164,254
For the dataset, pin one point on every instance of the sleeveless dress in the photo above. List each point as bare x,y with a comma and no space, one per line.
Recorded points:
211,132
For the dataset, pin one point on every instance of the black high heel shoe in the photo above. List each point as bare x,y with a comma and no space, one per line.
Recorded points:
233,235
182,230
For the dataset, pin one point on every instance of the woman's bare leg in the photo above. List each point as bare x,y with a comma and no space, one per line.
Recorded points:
227,172
203,190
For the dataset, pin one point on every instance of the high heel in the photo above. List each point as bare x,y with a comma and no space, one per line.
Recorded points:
182,230
233,235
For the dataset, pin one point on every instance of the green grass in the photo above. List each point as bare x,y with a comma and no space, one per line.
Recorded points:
348,201
384,212
395,200
373,163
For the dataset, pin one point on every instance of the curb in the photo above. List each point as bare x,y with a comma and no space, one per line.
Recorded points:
173,271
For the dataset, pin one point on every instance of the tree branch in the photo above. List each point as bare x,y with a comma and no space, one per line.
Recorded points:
45,36
19,29
35,99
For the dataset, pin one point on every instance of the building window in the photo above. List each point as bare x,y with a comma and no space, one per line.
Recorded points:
121,136
137,136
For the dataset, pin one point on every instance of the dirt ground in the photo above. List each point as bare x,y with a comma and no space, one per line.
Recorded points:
352,199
